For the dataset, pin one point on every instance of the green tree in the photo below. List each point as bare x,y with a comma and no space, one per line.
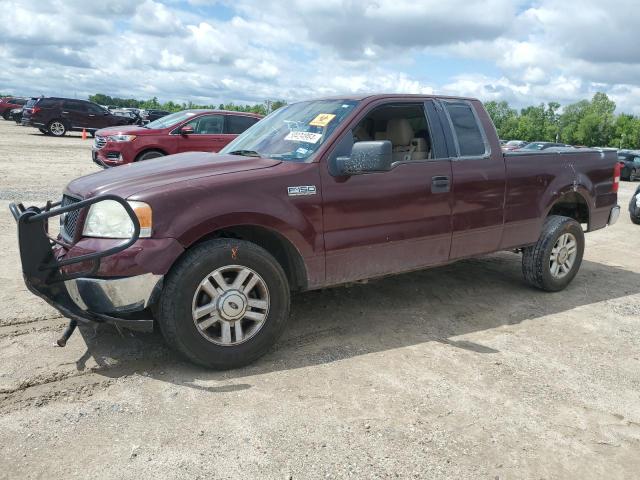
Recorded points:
504,118
626,132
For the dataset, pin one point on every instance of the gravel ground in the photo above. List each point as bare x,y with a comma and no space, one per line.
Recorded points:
456,372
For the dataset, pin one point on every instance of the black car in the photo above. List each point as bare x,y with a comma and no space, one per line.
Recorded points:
156,114
634,207
630,160
537,146
57,116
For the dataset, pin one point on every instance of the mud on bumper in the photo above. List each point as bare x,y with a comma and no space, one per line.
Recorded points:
78,296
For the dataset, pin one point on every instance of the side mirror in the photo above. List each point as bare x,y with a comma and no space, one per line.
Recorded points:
366,157
186,130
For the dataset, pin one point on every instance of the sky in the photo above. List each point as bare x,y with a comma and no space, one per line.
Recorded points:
247,51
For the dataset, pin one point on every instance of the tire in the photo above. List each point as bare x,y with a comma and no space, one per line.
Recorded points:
148,155
537,261
57,128
6,115
183,293
635,220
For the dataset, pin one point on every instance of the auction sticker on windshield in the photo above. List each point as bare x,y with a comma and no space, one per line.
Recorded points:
322,120
307,137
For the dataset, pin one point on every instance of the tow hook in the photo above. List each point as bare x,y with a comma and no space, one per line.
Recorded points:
62,341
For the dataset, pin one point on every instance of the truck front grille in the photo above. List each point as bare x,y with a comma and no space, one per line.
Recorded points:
69,221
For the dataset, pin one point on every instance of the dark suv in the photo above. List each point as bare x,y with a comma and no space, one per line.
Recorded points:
9,103
57,116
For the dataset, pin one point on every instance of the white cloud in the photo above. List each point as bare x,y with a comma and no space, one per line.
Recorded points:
561,50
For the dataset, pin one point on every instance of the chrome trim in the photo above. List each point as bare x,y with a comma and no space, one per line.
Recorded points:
99,142
614,215
118,295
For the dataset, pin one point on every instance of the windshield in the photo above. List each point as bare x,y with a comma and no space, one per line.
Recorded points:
534,146
171,120
294,132
514,142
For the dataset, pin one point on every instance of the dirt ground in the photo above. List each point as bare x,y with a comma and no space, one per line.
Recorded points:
456,372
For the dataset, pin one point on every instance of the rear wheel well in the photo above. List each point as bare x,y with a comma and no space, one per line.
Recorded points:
572,205
277,245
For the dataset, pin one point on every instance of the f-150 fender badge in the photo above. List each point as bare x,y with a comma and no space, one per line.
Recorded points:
301,190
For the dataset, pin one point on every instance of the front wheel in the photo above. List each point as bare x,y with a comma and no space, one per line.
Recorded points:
56,128
224,304
555,259
149,155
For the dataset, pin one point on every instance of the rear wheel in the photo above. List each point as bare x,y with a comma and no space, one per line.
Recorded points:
56,128
635,220
555,259
149,155
6,115
224,304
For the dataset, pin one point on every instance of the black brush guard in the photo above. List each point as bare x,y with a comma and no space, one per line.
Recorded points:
43,273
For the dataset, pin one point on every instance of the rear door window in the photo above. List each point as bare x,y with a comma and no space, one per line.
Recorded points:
466,128
207,125
95,109
237,124
75,105
47,103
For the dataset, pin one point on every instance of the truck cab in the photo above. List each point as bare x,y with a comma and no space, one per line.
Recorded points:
209,247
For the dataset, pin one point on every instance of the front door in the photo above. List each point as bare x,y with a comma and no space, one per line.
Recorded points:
74,113
98,117
208,135
381,223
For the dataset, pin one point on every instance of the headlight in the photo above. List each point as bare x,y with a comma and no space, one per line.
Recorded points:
121,138
109,219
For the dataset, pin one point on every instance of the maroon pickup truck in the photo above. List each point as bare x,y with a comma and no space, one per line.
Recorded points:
210,246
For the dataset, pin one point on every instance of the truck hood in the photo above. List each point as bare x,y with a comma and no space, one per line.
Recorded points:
127,180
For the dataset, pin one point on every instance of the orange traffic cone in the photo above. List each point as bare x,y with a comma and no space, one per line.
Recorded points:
84,134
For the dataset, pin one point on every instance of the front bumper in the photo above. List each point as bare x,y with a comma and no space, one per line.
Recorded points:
114,296
107,158
78,296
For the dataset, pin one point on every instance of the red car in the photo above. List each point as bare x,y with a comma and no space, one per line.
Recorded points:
185,131
9,103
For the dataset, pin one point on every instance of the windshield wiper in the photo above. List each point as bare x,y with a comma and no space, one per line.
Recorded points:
245,153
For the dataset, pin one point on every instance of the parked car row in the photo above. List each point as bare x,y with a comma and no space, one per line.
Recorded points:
125,135
57,116
9,104
630,163
515,145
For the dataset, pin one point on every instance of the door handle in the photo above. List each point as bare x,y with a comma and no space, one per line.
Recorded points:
440,184
65,112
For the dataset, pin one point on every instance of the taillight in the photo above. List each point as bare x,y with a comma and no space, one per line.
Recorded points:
35,110
616,177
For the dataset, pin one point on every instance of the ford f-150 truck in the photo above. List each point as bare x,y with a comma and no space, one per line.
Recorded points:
209,247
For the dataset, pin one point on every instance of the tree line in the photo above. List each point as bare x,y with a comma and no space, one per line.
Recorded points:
592,123
153,104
